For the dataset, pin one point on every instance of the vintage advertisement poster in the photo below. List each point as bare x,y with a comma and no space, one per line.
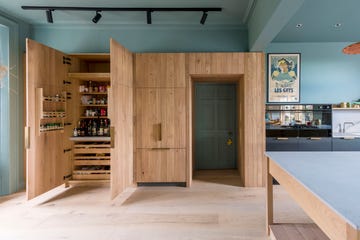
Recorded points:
283,77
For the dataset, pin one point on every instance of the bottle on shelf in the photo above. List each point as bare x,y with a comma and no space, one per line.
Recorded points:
89,128
94,129
101,128
90,88
106,127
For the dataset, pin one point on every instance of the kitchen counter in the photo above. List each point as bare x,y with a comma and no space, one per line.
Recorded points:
331,179
346,135
90,139
287,127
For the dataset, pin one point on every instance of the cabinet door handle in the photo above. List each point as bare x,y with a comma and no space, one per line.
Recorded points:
112,137
27,137
314,138
154,149
282,138
160,132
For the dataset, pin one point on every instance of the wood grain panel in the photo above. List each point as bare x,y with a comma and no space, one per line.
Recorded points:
216,63
160,165
160,117
121,117
248,69
254,121
45,157
160,70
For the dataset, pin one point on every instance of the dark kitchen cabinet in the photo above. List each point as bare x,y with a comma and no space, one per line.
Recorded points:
282,144
341,144
315,144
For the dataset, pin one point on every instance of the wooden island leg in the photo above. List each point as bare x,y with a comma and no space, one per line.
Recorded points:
269,198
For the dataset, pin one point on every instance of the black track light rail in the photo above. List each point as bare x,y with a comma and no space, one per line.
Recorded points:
110,9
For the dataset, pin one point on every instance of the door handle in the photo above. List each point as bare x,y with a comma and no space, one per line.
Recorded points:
154,149
27,137
282,138
160,132
314,138
112,137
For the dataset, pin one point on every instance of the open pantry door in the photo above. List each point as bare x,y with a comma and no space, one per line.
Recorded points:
46,70
121,117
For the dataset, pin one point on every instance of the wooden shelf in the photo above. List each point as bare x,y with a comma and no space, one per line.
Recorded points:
93,177
51,130
335,108
92,158
93,93
93,105
92,57
99,77
102,117
91,162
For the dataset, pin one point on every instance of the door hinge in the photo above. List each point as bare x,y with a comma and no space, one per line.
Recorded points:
67,150
67,176
66,60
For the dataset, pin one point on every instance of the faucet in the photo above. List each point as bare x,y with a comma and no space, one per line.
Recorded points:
345,123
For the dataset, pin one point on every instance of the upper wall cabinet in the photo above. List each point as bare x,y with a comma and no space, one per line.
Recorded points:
160,70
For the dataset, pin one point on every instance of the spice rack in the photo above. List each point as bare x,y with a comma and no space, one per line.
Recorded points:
50,111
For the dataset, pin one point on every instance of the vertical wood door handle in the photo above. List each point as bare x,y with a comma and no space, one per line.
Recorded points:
160,132
27,137
112,137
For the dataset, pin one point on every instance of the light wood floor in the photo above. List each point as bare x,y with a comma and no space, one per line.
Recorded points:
208,210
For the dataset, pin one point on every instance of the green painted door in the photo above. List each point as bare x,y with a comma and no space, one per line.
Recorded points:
215,126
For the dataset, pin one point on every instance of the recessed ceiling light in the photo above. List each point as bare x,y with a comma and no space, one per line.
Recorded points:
337,25
299,25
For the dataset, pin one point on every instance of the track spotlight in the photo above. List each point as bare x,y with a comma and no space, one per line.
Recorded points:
148,16
49,16
98,10
203,18
97,17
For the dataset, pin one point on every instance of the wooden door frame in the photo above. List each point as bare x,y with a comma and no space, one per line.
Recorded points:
236,79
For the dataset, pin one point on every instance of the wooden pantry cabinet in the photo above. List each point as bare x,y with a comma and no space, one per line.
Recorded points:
53,110
160,118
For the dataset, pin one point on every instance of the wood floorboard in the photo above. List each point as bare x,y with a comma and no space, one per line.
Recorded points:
297,231
207,210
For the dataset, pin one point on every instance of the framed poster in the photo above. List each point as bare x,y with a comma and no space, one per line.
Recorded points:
283,77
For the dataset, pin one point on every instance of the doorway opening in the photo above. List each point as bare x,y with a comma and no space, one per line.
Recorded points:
215,132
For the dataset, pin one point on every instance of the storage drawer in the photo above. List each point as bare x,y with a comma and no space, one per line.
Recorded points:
160,165
282,144
315,144
341,144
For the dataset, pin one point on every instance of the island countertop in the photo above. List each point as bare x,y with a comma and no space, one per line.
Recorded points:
334,177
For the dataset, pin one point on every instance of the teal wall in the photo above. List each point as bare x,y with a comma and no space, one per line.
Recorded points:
142,38
327,75
4,110
12,164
